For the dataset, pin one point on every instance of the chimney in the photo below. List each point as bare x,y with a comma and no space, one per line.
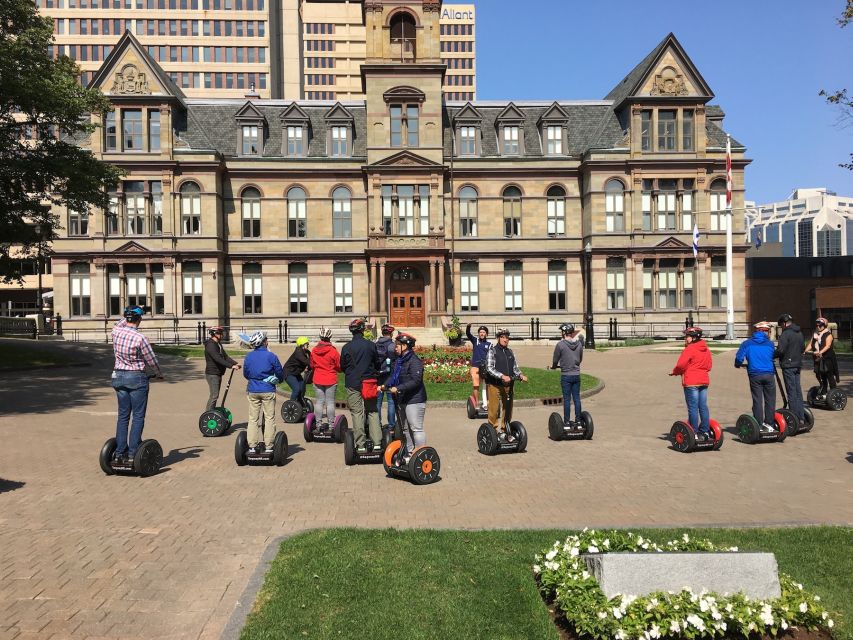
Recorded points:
251,93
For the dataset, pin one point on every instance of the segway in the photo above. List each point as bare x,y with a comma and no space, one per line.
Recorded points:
490,443
794,426
559,429
374,449
685,439
243,455
834,399
332,433
293,412
217,422
478,410
146,461
424,464
750,431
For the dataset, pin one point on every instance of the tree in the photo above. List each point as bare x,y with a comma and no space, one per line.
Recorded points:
44,120
840,97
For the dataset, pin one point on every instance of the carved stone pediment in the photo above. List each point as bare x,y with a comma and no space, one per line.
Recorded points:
131,247
130,81
669,83
672,243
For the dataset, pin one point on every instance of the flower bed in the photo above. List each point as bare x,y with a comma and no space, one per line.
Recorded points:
563,579
444,365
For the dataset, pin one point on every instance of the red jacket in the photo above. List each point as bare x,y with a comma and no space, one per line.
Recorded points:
326,362
694,364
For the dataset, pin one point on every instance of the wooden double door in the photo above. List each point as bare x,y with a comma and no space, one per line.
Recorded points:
406,298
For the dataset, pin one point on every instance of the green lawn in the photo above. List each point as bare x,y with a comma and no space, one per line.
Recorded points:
13,356
347,583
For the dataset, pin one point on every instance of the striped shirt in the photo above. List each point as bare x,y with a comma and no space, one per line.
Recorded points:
132,349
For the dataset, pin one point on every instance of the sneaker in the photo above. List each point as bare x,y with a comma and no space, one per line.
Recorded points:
361,449
704,436
120,458
767,428
269,451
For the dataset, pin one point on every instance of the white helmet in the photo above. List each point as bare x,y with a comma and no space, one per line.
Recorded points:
325,333
257,339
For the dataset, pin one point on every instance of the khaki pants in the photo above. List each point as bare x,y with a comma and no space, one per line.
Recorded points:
364,410
499,401
261,402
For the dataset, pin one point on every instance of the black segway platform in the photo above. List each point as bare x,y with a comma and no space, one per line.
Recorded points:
834,399
218,420
750,432
684,438
422,467
374,450
334,433
243,455
561,430
146,462
490,443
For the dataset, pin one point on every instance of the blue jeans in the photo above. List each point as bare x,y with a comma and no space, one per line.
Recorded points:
297,388
571,392
794,391
697,408
392,416
132,393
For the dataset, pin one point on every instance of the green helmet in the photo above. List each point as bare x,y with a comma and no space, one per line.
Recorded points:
301,340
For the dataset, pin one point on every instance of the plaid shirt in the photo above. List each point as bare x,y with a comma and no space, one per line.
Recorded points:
132,349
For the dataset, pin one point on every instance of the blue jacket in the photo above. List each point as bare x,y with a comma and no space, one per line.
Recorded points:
758,352
259,364
410,386
481,348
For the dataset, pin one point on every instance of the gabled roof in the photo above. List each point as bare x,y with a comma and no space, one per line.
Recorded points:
510,113
637,76
294,113
129,41
249,112
406,159
554,113
467,114
131,247
339,112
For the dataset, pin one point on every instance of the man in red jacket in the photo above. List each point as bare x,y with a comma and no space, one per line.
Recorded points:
693,366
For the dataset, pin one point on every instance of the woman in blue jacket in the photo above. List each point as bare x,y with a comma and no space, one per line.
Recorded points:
407,383
759,351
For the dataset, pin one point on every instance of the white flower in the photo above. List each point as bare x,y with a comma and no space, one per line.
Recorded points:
537,568
551,554
602,615
686,538
607,542
640,540
751,626
620,635
804,607
817,598
592,549
696,621
766,615
573,552
585,575
824,615
553,566
830,624
729,607
654,632
798,585
674,627
617,613
783,624
703,605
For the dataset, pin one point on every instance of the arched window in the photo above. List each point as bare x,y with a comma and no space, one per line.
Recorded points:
556,211
512,212
468,212
403,37
614,205
296,219
251,206
718,205
342,213
190,209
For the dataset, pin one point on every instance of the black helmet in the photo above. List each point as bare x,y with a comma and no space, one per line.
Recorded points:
483,327
406,339
133,314
502,332
387,329
357,326
693,332
567,328
785,318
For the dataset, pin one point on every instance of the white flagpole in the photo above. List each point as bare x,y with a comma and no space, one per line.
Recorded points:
730,308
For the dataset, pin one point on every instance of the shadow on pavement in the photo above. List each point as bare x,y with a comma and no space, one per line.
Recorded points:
181,454
10,485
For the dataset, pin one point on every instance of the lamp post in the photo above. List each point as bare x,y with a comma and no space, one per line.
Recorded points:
590,331
40,299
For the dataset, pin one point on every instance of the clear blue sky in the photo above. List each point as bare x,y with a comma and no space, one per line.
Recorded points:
765,60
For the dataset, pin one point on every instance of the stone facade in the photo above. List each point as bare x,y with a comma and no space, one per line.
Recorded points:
405,206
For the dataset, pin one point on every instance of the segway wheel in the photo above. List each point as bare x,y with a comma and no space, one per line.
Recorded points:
241,448
782,425
148,458
291,412
228,415
555,427
682,437
836,399
106,456
808,422
279,449
308,427
487,439
811,396
340,427
471,407
791,422
588,425
391,451
309,405
520,434
213,423
718,435
747,428
424,466
349,448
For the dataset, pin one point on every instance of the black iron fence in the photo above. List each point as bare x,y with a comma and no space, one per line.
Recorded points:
18,327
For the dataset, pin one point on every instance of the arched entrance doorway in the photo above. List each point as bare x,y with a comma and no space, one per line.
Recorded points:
407,298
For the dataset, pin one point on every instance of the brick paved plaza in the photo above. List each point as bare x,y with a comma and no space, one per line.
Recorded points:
83,555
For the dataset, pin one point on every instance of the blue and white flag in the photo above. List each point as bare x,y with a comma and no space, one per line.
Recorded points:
695,239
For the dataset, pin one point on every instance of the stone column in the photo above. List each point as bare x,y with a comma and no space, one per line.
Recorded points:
429,293
442,298
169,289
372,292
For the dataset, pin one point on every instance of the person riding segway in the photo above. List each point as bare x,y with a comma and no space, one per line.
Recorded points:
359,363
216,420
789,351
568,355
501,373
325,362
387,355
133,355
477,404
407,455
694,365
765,424
298,406
822,348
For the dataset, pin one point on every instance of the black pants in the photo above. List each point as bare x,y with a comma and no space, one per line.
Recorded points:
763,389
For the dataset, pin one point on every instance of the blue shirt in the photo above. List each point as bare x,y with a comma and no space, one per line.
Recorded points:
758,351
259,364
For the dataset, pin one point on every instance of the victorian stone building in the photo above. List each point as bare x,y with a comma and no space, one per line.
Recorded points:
404,206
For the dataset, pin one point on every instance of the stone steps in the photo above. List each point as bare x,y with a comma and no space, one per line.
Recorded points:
426,335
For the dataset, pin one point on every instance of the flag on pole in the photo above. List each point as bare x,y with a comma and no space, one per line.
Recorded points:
728,172
695,239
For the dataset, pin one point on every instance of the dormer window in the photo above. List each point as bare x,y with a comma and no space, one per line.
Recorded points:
294,123
295,141
554,140
251,141
251,123
510,140
340,129
340,142
468,141
553,125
